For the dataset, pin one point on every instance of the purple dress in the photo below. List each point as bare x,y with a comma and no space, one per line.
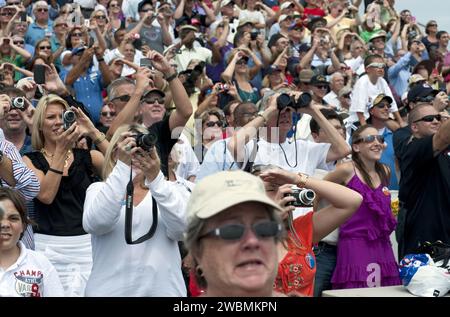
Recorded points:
365,257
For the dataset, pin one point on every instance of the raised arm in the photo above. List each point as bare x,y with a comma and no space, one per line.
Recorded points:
441,140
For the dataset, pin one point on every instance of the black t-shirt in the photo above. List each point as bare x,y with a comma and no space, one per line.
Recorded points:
425,191
64,216
165,142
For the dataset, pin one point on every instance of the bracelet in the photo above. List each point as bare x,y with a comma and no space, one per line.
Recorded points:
172,77
55,171
303,180
262,116
100,139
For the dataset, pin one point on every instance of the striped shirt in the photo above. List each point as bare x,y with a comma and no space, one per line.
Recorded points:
27,182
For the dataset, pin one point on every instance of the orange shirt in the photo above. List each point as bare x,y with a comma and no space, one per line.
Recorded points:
297,269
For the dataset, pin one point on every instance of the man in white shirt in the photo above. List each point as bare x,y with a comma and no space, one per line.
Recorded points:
336,83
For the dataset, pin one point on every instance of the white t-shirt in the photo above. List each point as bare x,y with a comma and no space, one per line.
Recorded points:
364,92
310,155
31,276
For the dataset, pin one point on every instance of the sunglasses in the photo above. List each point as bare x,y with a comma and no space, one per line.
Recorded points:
42,10
321,86
145,10
430,118
113,5
428,98
210,124
102,17
377,65
45,47
382,105
62,24
19,42
7,14
235,232
370,139
123,98
106,113
77,34
242,62
152,101
432,24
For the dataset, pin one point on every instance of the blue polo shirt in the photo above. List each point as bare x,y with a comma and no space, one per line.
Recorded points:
388,158
36,33
88,90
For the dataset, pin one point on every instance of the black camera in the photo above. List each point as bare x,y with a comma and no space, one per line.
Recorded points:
412,34
146,141
254,35
303,197
68,118
284,100
18,103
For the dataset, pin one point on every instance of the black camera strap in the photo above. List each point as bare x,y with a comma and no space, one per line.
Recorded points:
129,216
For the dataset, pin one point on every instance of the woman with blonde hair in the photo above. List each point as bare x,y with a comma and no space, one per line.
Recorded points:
64,173
149,268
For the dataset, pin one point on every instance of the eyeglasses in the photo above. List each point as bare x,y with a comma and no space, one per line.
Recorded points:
145,10
19,42
102,17
241,62
42,10
235,232
382,105
210,124
62,24
77,34
370,139
321,86
45,47
430,118
377,65
114,5
123,98
432,24
106,113
154,100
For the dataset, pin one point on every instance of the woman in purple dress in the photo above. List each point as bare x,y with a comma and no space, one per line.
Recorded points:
365,257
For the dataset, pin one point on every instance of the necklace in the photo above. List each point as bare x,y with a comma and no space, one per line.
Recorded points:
50,156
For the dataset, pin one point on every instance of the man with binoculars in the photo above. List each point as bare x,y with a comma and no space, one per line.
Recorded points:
270,128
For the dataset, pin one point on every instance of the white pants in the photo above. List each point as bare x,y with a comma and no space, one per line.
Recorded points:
71,257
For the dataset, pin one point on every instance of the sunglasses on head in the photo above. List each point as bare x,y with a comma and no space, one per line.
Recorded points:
382,105
370,139
430,118
234,232
377,65
210,124
106,113
154,101
123,98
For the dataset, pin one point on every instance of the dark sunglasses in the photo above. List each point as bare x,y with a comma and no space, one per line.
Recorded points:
432,24
123,98
7,14
19,42
210,124
242,61
382,105
234,232
113,5
42,10
145,10
102,17
428,98
322,86
77,34
45,47
370,139
106,113
152,101
430,118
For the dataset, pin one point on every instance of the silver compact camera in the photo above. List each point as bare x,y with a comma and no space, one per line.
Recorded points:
68,118
303,197
18,103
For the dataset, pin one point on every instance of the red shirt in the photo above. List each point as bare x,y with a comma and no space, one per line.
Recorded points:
297,269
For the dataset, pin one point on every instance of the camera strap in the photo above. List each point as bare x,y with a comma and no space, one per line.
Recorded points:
129,216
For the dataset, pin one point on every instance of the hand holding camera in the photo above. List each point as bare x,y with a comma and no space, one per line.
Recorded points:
67,138
160,63
147,161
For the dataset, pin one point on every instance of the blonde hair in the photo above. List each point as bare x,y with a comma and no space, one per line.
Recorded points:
37,135
110,160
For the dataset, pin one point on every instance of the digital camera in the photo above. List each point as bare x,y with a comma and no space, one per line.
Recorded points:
18,103
303,197
68,118
146,141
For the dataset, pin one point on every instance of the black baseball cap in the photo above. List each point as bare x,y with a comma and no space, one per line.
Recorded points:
421,90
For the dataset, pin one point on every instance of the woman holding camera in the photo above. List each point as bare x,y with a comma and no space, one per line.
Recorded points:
150,268
64,173
297,267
